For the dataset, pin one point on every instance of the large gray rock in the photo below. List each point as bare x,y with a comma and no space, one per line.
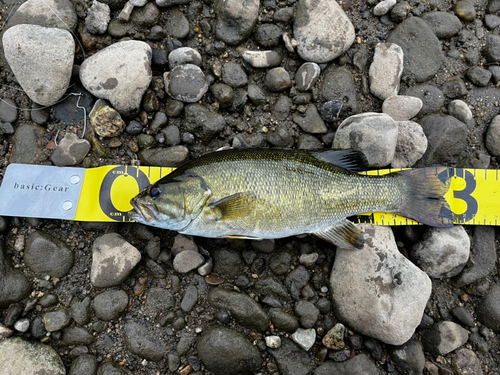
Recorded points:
377,291
386,70
374,134
41,59
48,13
421,48
225,351
120,73
443,252
113,259
235,20
322,30
19,356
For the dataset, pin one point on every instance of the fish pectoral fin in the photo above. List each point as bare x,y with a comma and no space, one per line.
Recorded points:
244,238
343,234
233,206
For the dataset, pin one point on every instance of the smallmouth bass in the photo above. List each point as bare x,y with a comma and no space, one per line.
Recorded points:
270,193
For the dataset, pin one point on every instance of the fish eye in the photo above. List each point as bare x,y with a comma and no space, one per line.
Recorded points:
154,192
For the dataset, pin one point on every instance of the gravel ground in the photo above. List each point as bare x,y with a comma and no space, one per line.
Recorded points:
112,298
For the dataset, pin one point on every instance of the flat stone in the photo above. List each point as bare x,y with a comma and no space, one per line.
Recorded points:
226,351
83,364
235,20
186,83
177,24
383,7
338,87
164,157
443,252
184,55
76,336
443,24
488,310
444,337
8,110
109,304
422,51
322,30
57,320
70,151
306,76
120,73
291,359
411,144
409,357
41,59
113,259
201,121
143,342
460,110
234,75
47,255
401,107
19,356
187,261
311,121
262,59
305,338
360,364
377,291
386,70
374,134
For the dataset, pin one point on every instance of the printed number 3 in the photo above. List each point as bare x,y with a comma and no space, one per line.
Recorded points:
465,195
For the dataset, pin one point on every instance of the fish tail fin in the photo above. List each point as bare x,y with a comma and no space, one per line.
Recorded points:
425,200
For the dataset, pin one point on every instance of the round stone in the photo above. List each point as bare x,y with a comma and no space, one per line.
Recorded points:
278,79
186,83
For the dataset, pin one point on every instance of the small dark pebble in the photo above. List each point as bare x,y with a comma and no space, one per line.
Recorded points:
463,316
223,317
134,128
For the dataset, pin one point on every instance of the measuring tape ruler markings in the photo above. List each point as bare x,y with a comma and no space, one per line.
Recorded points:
104,193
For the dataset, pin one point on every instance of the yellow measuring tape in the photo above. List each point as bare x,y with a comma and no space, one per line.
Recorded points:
474,195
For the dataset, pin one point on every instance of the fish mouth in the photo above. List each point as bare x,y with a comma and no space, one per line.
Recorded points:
143,211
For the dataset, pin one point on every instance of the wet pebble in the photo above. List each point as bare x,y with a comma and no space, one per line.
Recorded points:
460,110
225,351
308,260
235,20
330,111
464,9
273,342
443,24
243,308
186,83
386,70
401,107
98,18
383,7
463,316
158,302
47,255
70,151
262,59
308,313
146,16
6,128
322,29
113,259
109,304
190,298
188,260
234,75
76,336
22,325
479,76
177,24
493,137
164,157
80,310
443,252
224,94
310,121
143,342
283,321
465,361
267,34
305,338
306,76
57,319
334,338
292,359
444,337
84,364
409,357
201,121
184,55
488,310
411,144
277,80
8,110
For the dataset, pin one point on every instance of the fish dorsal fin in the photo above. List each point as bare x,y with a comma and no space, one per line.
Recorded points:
233,206
343,234
351,160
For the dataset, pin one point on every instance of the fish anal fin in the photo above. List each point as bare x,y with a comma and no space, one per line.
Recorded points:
343,234
233,206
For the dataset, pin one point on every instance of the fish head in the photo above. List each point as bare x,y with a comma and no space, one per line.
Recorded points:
172,205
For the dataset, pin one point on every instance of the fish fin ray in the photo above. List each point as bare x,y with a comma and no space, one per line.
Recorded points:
232,206
343,234
243,237
350,159
425,200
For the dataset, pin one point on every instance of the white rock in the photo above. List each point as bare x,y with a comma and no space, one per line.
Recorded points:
41,59
98,18
306,76
444,337
188,260
322,30
443,252
184,55
377,291
47,13
411,144
374,134
383,7
262,59
305,338
460,110
126,12
402,107
386,70
273,342
113,259
22,325
120,73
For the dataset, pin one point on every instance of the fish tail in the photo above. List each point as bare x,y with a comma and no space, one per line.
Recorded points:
425,200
